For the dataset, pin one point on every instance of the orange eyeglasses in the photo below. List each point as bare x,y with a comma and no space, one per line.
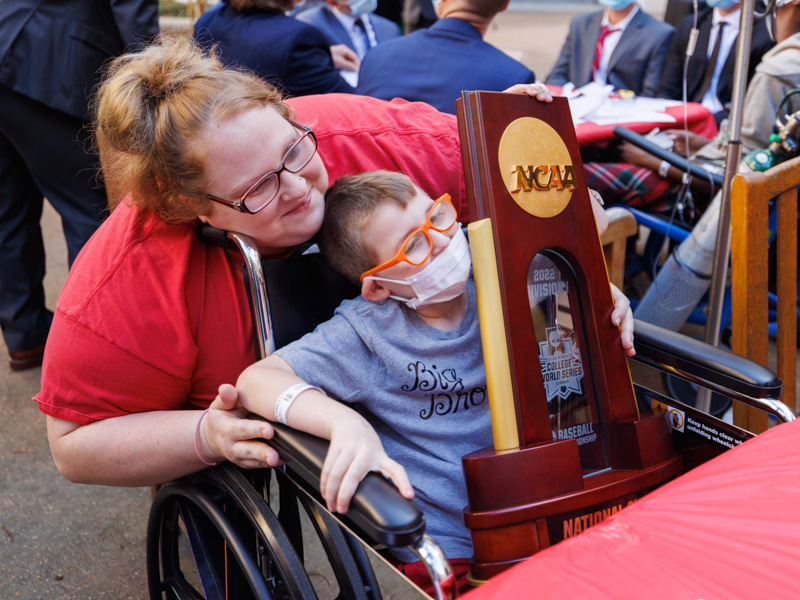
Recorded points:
418,246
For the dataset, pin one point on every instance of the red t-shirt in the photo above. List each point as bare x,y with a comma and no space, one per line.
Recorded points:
151,318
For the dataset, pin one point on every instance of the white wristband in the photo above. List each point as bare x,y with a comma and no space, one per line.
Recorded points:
287,397
663,169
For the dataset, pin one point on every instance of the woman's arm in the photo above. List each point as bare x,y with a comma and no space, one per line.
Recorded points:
355,448
154,447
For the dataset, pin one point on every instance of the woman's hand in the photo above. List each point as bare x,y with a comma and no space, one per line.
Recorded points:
227,434
535,90
344,58
356,450
679,142
622,317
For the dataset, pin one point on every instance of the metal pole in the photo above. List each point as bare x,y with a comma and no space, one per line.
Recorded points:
722,254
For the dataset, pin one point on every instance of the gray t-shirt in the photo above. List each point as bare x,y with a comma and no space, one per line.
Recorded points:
422,389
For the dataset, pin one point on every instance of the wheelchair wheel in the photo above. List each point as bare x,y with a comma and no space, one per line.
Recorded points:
237,547
686,392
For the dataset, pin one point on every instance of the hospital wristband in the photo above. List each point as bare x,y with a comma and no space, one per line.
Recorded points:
663,169
287,397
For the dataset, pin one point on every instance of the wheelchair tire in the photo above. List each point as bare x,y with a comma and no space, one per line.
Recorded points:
686,392
238,548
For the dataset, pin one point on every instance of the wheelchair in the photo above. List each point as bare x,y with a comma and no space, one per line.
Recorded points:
225,532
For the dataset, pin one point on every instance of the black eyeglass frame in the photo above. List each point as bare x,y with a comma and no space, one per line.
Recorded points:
239,205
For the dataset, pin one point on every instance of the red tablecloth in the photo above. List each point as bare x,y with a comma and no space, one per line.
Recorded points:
700,120
728,529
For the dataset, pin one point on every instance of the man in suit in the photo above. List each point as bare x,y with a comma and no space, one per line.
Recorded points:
620,45
433,65
50,54
711,86
353,23
286,52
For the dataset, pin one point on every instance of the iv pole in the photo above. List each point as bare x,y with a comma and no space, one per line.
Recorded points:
732,160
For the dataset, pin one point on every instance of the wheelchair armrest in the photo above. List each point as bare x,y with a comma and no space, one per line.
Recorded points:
377,510
676,160
705,364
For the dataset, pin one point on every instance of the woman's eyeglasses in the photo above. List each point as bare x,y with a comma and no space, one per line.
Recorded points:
264,191
418,246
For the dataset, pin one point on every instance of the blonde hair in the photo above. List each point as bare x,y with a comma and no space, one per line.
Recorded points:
350,204
149,109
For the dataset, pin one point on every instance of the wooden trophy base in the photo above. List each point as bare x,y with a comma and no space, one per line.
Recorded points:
552,496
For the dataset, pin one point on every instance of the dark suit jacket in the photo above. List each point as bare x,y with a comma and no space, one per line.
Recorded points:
51,50
433,65
671,84
635,64
280,49
322,18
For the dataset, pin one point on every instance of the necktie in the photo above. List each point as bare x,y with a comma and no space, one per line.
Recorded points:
711,66
365,43
598,49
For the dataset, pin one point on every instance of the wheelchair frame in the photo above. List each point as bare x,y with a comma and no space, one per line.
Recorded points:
239,546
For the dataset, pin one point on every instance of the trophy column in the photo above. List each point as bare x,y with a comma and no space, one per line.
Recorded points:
570,447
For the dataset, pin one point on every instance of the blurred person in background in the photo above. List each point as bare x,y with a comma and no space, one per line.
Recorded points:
51,53
620,45
709,76
352,23
433,65
259,35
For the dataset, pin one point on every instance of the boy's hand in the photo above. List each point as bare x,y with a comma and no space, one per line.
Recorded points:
356,450
623,318
227,434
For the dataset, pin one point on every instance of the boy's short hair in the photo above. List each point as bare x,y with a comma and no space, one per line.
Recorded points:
350,204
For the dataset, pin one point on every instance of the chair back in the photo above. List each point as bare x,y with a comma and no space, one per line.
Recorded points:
303,292
751,194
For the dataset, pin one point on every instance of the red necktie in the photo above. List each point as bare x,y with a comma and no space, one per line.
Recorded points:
598,49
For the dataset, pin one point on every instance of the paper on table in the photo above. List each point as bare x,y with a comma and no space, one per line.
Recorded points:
591,103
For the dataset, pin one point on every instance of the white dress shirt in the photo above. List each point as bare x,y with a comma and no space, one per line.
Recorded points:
360,44
610,43
729,33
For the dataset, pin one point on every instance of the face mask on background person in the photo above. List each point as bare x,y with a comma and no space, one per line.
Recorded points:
616,4
362,7
443,279
722,4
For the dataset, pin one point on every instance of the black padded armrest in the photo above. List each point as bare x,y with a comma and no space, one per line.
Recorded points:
377,510
705,362
676,160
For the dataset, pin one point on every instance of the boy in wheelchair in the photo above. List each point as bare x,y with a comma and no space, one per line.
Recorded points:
406,354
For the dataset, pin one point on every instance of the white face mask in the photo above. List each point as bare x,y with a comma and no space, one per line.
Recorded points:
362,7
443,279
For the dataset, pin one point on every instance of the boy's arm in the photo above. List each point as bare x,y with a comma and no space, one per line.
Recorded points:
355,448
